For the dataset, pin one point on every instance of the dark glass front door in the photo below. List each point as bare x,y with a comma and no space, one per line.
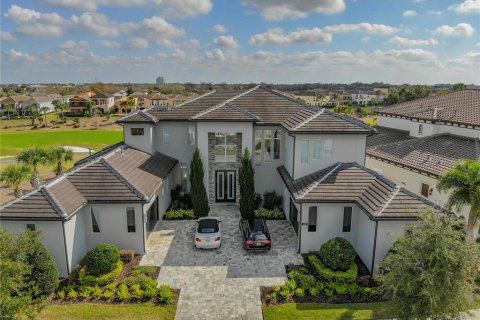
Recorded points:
225,186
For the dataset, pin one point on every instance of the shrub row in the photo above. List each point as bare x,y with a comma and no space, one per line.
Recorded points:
275,214
328,274
179,214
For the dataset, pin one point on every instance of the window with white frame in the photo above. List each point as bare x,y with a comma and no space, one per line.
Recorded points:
166,135
94,214
137,131
225,147
304,152
316,149
276,144
312,219
328,151
131,227
258,146
191,135
267,142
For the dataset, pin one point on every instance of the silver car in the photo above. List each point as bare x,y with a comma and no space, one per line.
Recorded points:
207,233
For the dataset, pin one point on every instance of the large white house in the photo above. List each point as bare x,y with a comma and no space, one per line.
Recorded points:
420,140
314,158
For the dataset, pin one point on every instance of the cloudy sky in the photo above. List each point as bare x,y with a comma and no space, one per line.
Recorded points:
277,41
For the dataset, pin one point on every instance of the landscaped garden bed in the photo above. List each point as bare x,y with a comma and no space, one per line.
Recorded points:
269,207
109,276
181,207
334,275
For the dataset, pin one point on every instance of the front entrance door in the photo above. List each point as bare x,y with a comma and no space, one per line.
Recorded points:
225,186
294,215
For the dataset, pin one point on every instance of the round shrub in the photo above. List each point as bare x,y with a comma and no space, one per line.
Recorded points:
337,254
102,259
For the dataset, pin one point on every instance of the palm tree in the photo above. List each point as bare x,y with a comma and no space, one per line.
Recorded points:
58,156
14,175
131,103
464,183
44,109
32,110
34,157
8,107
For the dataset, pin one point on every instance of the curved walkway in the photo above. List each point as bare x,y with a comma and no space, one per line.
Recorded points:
223,283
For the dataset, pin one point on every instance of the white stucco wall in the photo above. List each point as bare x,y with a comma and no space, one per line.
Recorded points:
394,123
52,238
466,132
144,142
387,233
289,142
365,238
76,239
346,148
428,129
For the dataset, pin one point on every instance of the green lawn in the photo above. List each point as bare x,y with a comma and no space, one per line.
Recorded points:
311,311
12,142
79,311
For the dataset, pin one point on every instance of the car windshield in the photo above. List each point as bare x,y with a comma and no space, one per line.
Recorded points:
258,237
207,226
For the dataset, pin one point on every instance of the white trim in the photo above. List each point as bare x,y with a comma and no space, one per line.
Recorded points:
309,119
313,186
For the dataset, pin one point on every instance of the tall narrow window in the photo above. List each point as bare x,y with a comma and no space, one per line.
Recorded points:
184,177
328,147
420,128
425,190
267,141
31,226
258,146
276,144
166,135
316,150
191,135
304,155
131,219
94,216
312,219
347,219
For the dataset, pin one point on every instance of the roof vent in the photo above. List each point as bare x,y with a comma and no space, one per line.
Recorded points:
435,112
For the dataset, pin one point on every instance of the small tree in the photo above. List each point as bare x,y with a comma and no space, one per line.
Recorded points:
45,109
102,259
459,86
198,193
32,112
34,157
429,270
14,175
58,156
247,186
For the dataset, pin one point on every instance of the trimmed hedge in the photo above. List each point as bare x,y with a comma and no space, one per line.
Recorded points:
275,214
102,259
337,254
328,274
91,280
180,214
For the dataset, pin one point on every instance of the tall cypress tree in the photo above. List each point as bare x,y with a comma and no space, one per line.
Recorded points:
198,193
247,186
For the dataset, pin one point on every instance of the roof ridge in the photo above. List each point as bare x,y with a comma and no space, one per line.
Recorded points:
53,201
242,111
117,174
318,113
196,98
223,103
392,195
354,121
316,183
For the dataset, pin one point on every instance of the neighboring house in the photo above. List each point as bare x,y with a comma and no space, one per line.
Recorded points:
39,101
421,139
116,196
123,105
140,96
180,98
79,104
310,156
363,98
119,95
103,101
157,99
62,99
15,102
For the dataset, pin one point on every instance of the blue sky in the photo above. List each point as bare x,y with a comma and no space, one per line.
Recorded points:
277,41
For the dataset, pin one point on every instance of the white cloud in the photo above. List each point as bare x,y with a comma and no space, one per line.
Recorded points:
73,45
109,44
96,24
192,43
215,54
294,9
18,55
7,36
466,62
220,28
362,27
477,45
461,29
277,36
185,8
436,13
409,13
137,43
413,42
33,23
226,41
92,5
467,6
157,28
179,54
365,39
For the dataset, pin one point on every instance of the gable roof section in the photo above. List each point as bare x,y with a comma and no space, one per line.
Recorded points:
458,107
432,155
387,135
378,196
36,205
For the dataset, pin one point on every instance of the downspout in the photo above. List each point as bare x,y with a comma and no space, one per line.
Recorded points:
374,247
293,163
65,246
300,229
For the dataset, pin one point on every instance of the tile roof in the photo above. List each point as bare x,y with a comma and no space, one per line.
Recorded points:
259,105
432,155
387,135
118,174
458,107
101,95
378,196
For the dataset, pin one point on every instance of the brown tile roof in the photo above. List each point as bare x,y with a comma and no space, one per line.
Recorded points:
258,104
459,107
120,174
15,99
387,135
378,196
102,95
432,155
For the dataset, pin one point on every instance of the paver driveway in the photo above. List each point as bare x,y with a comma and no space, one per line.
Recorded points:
222,283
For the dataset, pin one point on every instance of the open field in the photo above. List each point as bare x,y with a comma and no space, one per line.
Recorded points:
79,311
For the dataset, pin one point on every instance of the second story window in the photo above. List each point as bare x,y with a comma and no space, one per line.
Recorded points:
31,226
137,131
316,150
191,135
276,144
304,152
166,135
267,138
328,147
225,147
258,146
420,129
